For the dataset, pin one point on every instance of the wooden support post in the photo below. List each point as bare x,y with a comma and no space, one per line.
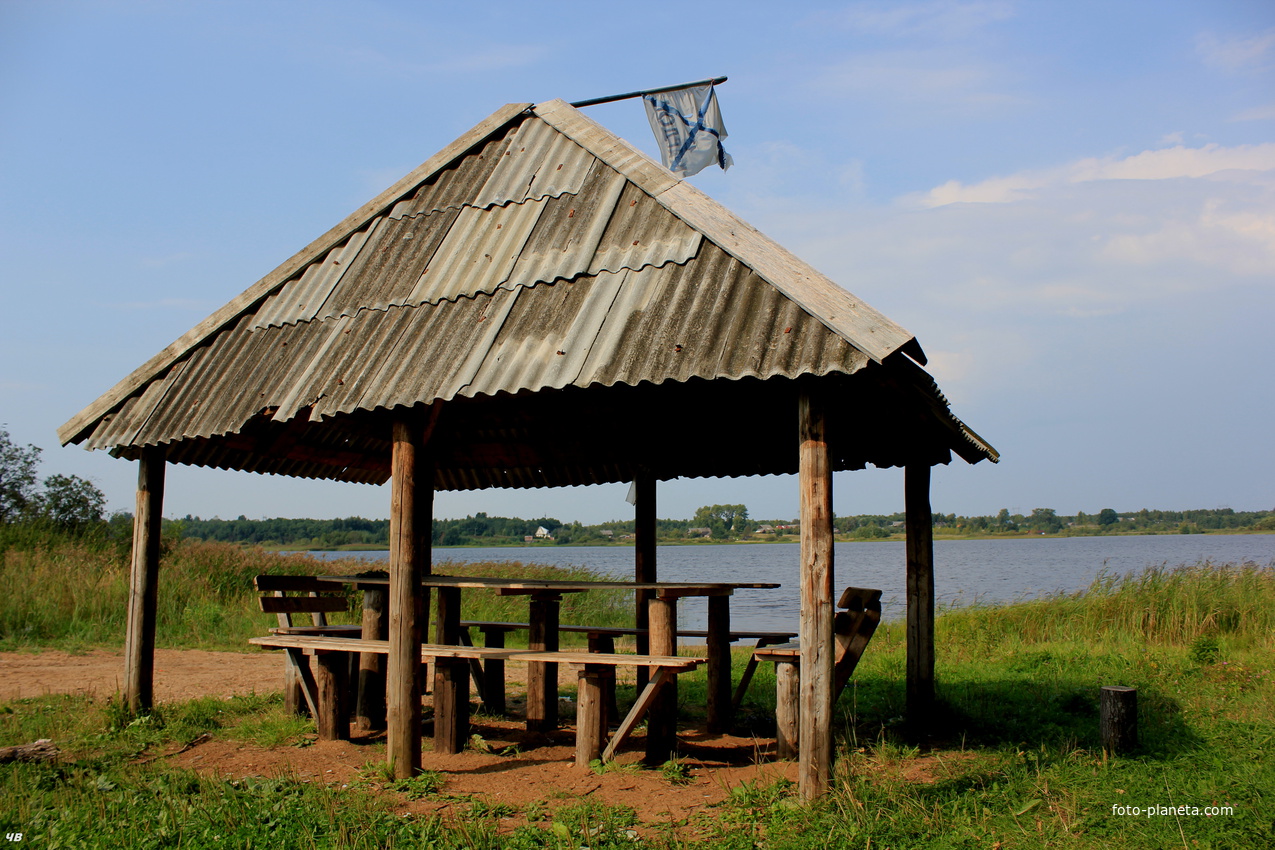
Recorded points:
918,523
139,638
787,720
451,679
1118,720
330,671
606,644
370,711
661,723
719,663
411,513
494,673
542,676
644,565
590,715
814,766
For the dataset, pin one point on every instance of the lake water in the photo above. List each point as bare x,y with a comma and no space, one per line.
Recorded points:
965,571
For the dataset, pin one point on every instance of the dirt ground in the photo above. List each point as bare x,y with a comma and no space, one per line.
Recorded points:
534,768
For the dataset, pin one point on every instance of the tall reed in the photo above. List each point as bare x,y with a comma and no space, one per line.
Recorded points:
1158,605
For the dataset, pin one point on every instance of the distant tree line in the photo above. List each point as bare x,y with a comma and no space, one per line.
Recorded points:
73,505
716,522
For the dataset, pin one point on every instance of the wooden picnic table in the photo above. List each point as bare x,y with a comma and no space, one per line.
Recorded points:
545,596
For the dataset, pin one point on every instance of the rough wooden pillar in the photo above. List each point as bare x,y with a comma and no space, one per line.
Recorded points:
494,673
590,714
139,638
644,566
330,671
719,662
661,722
814,765
542,676
370,710
411,513
920,597
451,679
787,697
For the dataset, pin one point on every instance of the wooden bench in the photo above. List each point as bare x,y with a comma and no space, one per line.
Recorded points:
451,692
489,677
319,598
308,596
852,628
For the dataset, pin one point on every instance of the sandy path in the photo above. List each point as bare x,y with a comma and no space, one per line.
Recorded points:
179,674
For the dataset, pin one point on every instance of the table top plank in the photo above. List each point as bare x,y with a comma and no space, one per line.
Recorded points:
681,588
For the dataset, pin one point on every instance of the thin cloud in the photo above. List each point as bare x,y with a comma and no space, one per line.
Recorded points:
1236,54
1164,164
942,19
952,84
1257,113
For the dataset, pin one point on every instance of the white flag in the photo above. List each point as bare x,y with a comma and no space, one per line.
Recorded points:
688,127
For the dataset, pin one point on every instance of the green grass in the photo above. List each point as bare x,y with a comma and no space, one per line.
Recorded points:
1013,760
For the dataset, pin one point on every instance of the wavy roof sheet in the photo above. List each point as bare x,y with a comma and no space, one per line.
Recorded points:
538,252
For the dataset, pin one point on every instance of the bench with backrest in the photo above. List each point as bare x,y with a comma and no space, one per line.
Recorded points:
853,627
451,697
287,596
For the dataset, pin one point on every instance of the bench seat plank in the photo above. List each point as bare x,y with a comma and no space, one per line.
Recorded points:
323,643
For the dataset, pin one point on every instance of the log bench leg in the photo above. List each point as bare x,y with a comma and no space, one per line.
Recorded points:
542,676
494,673
451,705
661,723
591,713
720,712
787,689
369,714
606,644
331,681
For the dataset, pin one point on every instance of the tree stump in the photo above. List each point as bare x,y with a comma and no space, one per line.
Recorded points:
1118,723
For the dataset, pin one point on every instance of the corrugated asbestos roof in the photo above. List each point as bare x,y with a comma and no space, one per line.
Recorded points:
541,253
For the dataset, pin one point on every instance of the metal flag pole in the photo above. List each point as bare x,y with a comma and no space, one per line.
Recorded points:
595,101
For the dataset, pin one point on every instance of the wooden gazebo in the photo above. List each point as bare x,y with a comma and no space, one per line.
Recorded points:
537,305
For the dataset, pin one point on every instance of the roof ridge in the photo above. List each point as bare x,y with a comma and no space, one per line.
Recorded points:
841,312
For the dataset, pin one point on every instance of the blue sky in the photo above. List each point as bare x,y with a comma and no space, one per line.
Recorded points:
1071,204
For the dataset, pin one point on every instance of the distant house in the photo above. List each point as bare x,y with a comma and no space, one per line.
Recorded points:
542,533
528,539
765,529
606,532
699,532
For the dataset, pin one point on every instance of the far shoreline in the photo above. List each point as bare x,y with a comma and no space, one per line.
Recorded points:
786,538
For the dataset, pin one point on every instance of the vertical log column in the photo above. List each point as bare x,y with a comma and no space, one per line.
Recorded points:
451,679
920,597
814,765
411,515
542,676
370,709
644,568
139,639
719,663
661,721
